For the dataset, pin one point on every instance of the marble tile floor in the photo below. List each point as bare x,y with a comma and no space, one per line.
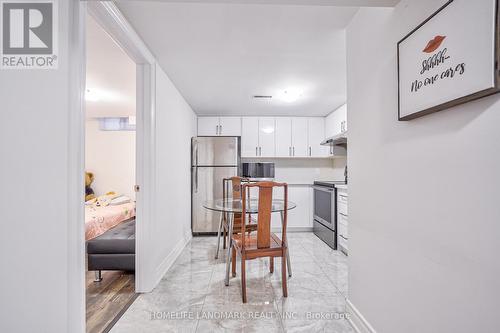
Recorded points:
192,296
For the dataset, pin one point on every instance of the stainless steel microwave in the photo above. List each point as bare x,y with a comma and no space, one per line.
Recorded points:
258,170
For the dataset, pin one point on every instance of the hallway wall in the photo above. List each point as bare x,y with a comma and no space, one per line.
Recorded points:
423,195
39,262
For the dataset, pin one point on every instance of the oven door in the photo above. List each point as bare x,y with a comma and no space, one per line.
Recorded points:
324,206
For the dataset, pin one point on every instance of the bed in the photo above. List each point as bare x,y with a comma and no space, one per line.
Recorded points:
100,219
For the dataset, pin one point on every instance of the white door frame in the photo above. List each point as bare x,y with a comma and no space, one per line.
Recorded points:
109,17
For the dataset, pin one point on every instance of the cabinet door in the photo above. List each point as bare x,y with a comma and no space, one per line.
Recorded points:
300,146
316,129
249,136
208,126
230,126
283,136
301,216
267,129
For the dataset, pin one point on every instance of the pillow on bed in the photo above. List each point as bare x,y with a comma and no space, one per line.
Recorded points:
120,200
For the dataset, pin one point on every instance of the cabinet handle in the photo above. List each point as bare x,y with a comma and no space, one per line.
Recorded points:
289,151
310,151
260,151
220,129
293,150
343,237
344,215
256,151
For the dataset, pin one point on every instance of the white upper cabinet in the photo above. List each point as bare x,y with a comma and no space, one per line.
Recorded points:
249,137
267,132
271,136
208,126
300,147
219,126
336,122
230,126
316,131
283,136
258,137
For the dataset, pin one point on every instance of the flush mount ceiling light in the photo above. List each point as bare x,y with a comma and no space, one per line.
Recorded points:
290,95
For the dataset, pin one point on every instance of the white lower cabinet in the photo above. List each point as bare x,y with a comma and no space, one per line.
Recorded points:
342,220
299,218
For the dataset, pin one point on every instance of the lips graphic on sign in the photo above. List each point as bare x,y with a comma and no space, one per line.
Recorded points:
434,44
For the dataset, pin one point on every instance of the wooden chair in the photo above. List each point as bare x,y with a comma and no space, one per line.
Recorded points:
264,243
232,187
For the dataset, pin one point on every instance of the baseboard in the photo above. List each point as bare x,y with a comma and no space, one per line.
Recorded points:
170,259
293,229
357,321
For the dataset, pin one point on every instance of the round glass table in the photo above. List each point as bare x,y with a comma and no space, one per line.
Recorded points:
252,205
229,207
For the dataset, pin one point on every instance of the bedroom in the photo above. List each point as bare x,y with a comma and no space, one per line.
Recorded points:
110,165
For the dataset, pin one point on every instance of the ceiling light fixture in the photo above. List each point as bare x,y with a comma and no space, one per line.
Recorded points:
291,95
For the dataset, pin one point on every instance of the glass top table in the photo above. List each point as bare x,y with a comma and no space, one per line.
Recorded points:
252,205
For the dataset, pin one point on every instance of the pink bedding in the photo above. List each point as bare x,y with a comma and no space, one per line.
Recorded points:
98,220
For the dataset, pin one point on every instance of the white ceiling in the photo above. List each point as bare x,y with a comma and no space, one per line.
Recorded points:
220,55
110,76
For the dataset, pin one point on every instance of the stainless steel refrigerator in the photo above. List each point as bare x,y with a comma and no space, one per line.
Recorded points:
212,160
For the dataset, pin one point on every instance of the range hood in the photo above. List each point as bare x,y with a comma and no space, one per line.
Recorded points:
336,140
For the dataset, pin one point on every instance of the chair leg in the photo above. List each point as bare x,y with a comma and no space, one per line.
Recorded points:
283,273
288,263
243,280
233,266
271,265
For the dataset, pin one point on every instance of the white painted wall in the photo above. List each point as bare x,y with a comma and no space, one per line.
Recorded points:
423,195
110,155
175,125
41,281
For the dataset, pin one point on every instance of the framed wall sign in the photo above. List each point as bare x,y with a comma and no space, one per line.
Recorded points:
449,59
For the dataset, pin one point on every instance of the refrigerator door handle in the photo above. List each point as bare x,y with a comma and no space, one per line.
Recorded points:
195,180
196,154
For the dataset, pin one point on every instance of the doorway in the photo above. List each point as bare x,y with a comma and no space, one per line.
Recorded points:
123,129
110,177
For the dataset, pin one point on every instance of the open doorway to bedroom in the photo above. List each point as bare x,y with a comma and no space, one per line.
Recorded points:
110,166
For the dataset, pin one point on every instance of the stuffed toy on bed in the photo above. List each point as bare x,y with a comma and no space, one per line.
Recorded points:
89,192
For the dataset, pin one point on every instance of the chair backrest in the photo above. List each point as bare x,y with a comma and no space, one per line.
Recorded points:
232,186
264,211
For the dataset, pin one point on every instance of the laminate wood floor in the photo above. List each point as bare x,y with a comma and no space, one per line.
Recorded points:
109,299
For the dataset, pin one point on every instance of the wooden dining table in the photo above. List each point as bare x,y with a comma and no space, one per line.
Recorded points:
235,206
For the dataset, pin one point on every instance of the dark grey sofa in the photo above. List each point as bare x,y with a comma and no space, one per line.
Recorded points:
113,250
